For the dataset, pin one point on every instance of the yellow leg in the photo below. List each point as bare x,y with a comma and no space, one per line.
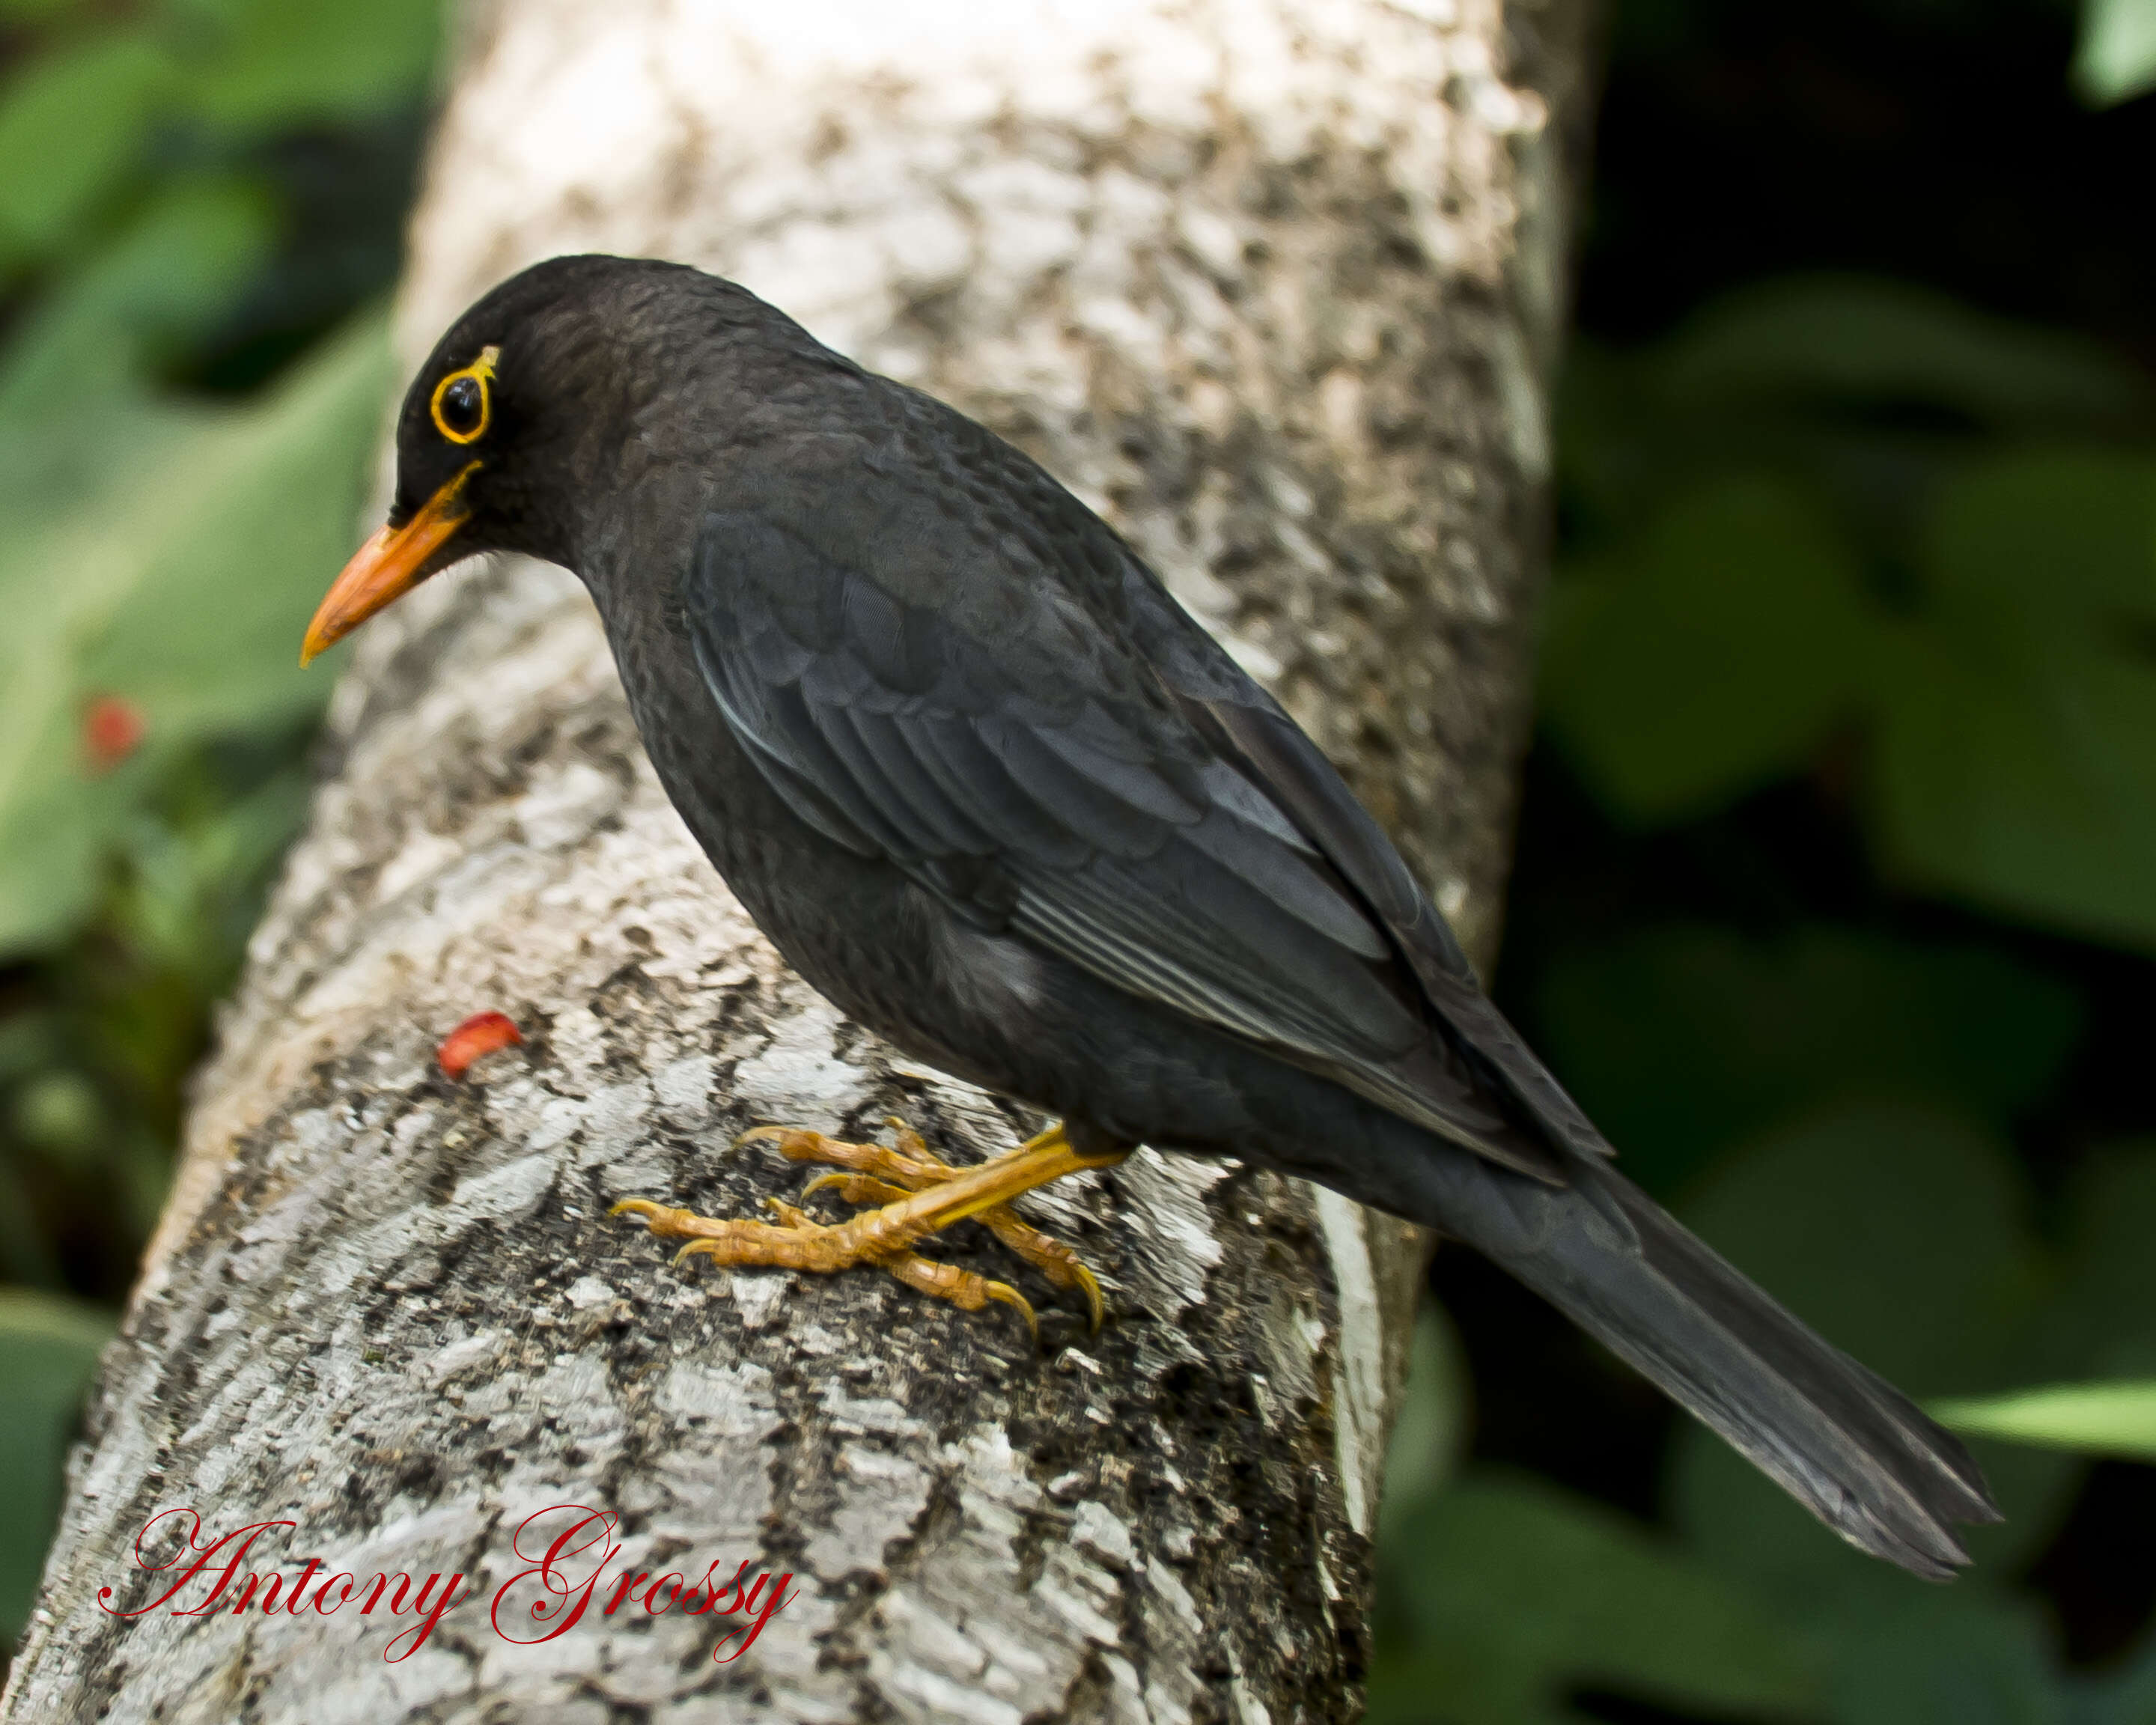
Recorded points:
884,1236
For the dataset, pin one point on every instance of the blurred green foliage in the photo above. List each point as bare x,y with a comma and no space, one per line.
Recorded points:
2117,58
198,207
2109,1419
1762,571
48,1346
1842,924
177,586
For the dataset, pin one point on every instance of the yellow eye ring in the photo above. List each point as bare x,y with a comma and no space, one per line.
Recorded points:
462,420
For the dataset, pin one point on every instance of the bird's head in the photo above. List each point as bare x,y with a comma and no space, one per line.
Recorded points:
500,433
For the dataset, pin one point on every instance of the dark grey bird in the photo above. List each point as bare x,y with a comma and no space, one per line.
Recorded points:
988,788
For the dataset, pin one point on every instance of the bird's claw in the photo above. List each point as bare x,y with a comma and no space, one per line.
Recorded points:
1010,1295
662,1218
871,1174
894,1181
798,1241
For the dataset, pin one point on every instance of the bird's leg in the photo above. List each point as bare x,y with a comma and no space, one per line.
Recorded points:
881,1175
886,1235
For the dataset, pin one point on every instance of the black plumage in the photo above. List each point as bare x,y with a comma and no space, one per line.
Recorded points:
987,786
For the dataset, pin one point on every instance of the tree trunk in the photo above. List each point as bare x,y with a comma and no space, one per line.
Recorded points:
1272,284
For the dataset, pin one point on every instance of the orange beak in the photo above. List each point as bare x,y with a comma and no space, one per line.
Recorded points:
389,565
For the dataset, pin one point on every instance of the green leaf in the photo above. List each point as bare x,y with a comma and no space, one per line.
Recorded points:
1680,1041
1987,630
1717,658
73,126
1899,1232
2116,57
1870,342
1504,1596
2012,767
182,588
1929,1658
83,353
2024,793
270,63
48,1348
2043,550
230,554
2096,1419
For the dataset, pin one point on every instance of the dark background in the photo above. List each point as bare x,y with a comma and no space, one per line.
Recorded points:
1837,886
1836,881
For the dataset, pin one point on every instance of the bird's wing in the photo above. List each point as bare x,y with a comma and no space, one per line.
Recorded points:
1247,726
997,740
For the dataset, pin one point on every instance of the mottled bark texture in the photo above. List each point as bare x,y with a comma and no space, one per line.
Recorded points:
1271,283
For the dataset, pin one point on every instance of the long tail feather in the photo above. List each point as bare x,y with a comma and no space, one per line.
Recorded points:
1839,1439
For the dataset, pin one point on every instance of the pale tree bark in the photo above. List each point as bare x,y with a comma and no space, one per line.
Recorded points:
1270,282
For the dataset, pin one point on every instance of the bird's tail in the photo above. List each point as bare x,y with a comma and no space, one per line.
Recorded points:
1840,1439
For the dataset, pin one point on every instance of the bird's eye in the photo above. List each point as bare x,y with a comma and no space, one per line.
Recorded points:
464,406
463,403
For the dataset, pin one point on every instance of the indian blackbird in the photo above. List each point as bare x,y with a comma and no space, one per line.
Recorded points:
988,788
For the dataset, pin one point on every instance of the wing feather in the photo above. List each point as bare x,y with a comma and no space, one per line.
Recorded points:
1249,727
1038,775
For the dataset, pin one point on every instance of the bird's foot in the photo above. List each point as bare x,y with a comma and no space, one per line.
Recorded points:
916,1195
798,1241
876,1174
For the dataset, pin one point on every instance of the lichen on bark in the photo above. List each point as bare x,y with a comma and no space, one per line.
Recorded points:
1267,283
